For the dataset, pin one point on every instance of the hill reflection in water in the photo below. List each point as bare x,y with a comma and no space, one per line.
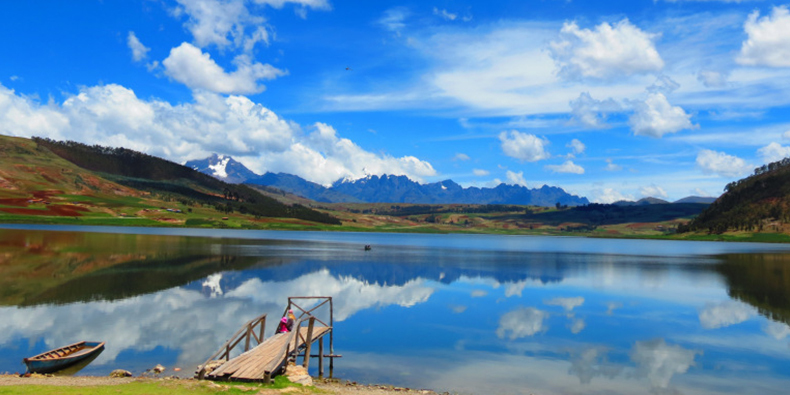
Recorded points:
496,319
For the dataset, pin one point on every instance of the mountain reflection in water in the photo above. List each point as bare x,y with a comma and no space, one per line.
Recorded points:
496,317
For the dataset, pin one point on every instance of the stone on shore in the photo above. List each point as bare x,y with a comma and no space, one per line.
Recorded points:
120,373
298,374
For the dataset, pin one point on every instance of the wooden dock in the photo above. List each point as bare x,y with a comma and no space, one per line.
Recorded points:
270,356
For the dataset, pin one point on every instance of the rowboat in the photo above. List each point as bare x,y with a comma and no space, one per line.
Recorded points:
63,357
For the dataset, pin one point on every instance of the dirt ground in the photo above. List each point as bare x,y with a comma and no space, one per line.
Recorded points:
336,387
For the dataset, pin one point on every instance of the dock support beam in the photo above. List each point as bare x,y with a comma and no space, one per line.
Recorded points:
321,357
308,343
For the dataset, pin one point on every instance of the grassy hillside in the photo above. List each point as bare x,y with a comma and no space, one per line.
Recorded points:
758,203
105,186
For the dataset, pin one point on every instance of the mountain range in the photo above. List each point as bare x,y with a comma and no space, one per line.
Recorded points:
386,188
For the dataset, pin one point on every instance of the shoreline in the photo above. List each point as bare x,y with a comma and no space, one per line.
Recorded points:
320,385
767,238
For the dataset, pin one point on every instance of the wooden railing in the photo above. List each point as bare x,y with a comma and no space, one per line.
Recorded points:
309,313
246,333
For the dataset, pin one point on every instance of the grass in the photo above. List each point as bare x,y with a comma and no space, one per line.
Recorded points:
167,387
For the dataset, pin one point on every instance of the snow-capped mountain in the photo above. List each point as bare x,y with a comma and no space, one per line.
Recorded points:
386,188
222,167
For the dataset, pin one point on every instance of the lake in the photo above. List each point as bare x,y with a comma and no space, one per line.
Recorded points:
473,314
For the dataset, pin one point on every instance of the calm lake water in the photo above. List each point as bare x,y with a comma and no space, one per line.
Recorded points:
460,313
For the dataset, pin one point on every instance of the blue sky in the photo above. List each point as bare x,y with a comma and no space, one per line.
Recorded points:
609,100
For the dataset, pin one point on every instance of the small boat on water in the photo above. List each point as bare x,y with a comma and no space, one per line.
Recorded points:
367,247
63,357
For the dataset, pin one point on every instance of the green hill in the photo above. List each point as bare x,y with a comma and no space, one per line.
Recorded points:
59,182
758,203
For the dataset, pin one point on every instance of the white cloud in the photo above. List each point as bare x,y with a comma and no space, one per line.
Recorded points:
659,362
478,293
773,152
655,117
567,167
712,79
444,14
514,178
480,172
566,303
768,43
315,4
777,330
609,195
608,52
394,19
610,166
577,325
189,65
221,23
461,156
523,146
520,323
713,162
725,314
13,78
328,158
786,135
139,51
590,112
653,191
591,363
113,115
577,146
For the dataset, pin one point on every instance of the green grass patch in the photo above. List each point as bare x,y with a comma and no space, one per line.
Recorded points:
169,387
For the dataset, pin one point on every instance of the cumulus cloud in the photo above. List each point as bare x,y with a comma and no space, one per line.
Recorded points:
611,166
315,4
768,42
192,67
777,330
113,115
609,195
577,325
566,303
461,156
480,172
577,146
659,361
521,323
713,162
514,178
567,167
607,52
394,19
592,362
773,152
444,14
655,117
712,79
222,23
725,314
653,191
523,146
139,51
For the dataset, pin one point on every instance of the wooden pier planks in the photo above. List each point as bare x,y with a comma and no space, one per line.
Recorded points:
252,364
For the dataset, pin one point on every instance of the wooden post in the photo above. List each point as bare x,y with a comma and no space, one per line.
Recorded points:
321,357
331,336
308,342
247,340
263,325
